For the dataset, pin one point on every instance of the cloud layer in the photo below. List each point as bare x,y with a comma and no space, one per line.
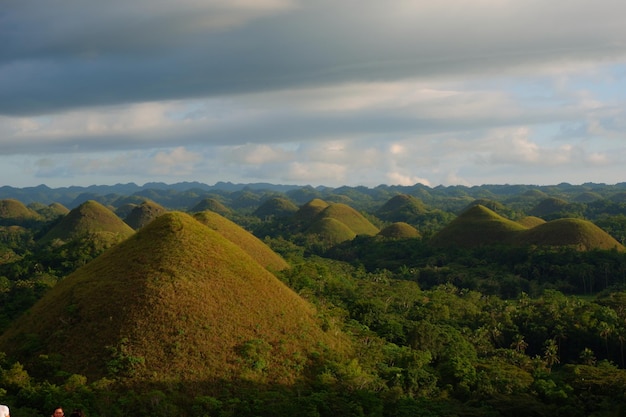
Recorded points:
348,92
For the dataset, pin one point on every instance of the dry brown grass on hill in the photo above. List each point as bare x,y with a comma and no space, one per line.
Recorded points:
176,302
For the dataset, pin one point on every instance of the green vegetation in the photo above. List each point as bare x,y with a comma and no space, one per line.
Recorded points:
393,301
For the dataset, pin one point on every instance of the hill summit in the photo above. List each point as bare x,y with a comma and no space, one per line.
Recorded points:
89,219
176,301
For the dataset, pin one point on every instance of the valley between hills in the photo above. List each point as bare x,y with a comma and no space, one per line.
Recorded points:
275,300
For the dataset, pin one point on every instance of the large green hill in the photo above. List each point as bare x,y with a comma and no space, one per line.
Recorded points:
477,226
177,301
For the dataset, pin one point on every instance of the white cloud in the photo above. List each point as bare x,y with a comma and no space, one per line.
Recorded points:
177,162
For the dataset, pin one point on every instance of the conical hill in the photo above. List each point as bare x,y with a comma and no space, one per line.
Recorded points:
276,207
307,212
14,212
477,226
331,231
338,222
143,214
350,217
89,219
401,208
578,233
176,302
399,230
252,245
212,205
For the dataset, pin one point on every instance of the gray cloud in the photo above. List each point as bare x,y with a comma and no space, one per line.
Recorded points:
83,54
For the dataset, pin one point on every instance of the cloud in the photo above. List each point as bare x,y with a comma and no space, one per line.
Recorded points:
79,54
288,90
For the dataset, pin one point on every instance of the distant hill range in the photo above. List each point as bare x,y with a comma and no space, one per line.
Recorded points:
185,195
177,301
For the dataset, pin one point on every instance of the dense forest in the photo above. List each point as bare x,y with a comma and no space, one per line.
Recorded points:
498,300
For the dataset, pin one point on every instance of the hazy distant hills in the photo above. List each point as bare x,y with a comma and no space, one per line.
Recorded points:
175,301
187,194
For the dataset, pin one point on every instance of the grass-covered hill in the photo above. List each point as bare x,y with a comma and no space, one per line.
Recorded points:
348,216
277,207
477,226
330,231
143,214
336,223
549,206
531,221
14,212
252,245
211,204
90,219
401,208
308,211
581,234
176,302
399,230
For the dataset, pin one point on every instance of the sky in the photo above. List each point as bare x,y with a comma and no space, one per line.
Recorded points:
342,92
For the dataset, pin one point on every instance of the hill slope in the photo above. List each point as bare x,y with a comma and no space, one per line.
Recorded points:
252,245
176,302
